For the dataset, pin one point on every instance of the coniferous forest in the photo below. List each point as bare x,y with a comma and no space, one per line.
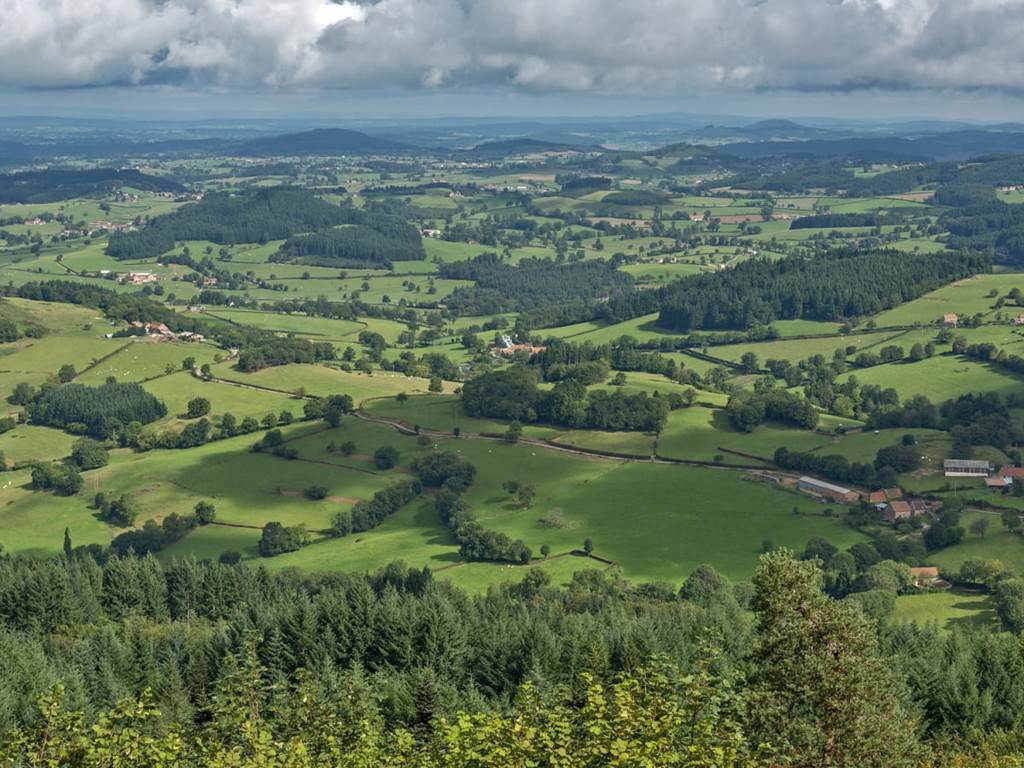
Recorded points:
207,664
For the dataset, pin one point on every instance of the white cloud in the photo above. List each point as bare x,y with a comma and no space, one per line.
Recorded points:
538,45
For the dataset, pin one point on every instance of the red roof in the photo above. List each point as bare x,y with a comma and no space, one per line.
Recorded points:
900,509
1014,472
875,497
893,493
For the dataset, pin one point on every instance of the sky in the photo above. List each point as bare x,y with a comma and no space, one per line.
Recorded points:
894,59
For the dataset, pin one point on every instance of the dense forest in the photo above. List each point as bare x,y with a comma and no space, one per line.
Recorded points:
55,185
374,238
546,291
80,408
833,287
205,664
981,222
255,217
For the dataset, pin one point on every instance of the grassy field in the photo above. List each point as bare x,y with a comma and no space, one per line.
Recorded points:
687,514
321,380
795,350
996,544
939,378
966,297
301,325
948,609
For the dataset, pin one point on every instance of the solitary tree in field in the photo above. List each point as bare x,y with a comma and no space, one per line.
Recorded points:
1011,519
514,432
980,526
205,512
588,546
545,550
402,398
198,406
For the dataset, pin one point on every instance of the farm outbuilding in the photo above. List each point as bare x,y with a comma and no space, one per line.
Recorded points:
966,468
826,490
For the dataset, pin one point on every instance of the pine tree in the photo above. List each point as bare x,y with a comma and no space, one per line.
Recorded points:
820,691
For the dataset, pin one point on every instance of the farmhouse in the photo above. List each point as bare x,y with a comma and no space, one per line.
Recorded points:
898,510
1018,320
966,468
874,497
926,576
1012,474
139,278
508,351
950,319
824,490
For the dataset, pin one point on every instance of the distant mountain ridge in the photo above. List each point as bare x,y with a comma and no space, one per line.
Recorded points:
323,141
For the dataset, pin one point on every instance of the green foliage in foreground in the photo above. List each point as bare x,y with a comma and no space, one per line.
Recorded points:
654,718
811,691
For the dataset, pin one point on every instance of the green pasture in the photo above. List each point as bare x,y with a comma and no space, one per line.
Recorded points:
322,380
948,609
143,359
302,325
795,350
177,389
939,378
964,297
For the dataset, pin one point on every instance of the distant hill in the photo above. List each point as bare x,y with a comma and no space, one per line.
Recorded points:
53,186
764,130
523,146
955,145
323,141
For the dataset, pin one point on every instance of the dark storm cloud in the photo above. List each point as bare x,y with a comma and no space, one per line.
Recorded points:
530,45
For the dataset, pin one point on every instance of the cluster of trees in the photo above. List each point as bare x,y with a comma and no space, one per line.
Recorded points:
513,394
372,238
276,539
574,186
746,410
563,359
834,220
89,410
264,350
64,479
367,515
549,293
453,475
395,669
253,217
882,473
9,330
970,419
832,287
152,536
